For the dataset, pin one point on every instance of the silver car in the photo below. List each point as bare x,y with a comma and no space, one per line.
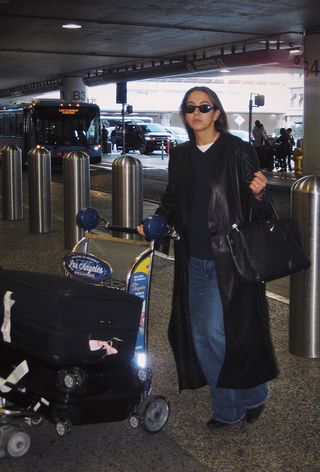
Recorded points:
179,134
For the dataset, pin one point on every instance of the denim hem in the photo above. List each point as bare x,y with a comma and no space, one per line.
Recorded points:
251,407
230,422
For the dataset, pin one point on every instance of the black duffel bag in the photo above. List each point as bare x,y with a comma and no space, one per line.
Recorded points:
267,248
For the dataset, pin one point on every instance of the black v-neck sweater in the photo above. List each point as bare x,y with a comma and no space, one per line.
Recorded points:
204,164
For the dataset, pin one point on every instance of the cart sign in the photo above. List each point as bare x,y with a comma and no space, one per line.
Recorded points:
139,286
87,267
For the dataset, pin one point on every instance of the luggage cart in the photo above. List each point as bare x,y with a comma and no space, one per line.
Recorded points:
106,383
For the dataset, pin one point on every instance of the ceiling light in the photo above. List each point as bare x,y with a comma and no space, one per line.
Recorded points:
71,26
224,71
272,41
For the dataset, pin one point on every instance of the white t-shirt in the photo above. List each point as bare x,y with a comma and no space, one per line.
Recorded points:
204,147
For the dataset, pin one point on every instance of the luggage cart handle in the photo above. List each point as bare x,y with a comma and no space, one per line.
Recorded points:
165,231
121,229
169,233
89,218
155,227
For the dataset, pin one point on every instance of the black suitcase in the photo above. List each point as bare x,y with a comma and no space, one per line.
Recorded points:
80,394
65,322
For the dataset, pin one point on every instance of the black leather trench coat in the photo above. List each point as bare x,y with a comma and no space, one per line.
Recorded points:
249,358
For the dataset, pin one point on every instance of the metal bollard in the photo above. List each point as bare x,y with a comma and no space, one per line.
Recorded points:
39,170
304,308
162,149
12,193
76,189
127,193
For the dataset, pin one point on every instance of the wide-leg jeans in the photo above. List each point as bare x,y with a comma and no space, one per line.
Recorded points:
207,325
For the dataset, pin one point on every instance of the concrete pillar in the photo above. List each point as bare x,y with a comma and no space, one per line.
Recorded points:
73,90
311,141
165,119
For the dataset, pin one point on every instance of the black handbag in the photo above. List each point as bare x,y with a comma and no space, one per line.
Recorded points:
267,248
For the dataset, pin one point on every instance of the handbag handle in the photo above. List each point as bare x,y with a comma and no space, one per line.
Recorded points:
273,209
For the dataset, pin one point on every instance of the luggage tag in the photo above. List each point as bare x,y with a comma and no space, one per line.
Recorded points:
16,375
8,302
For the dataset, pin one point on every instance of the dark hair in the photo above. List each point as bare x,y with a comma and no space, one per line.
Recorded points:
221,123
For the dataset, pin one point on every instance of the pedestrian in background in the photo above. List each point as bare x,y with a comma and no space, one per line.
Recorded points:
219,328
290,150
263,147
259,134
104,138
114,140
259,138
282,146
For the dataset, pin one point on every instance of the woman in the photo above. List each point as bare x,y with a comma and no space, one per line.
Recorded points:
219,327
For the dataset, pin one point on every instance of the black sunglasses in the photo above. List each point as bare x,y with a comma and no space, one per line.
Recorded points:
205,108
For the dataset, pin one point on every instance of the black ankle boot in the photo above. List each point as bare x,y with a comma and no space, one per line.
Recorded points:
253,414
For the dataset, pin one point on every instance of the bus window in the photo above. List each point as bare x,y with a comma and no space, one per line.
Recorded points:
12,125
94,132
66,129
6,126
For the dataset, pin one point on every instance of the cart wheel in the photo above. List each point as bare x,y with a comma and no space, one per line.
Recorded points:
16,441
63,427
134,421
37,420
155,413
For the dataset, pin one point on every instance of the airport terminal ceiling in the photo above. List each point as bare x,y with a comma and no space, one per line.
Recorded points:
130,40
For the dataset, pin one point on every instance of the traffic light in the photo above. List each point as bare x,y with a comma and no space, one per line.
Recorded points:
129,109
259,100
121,92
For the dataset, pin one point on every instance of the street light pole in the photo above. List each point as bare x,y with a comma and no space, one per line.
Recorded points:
123,130
250,118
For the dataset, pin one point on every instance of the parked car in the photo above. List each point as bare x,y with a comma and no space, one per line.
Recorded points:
112,122
146,137
179,134
240,133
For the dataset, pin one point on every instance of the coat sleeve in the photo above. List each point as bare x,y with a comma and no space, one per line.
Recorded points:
250,166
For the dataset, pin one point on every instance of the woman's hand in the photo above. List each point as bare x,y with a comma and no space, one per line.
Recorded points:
141,230
258,184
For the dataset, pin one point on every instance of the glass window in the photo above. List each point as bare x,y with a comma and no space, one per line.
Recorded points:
154,127
19,124
6,125
65,127
12,125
